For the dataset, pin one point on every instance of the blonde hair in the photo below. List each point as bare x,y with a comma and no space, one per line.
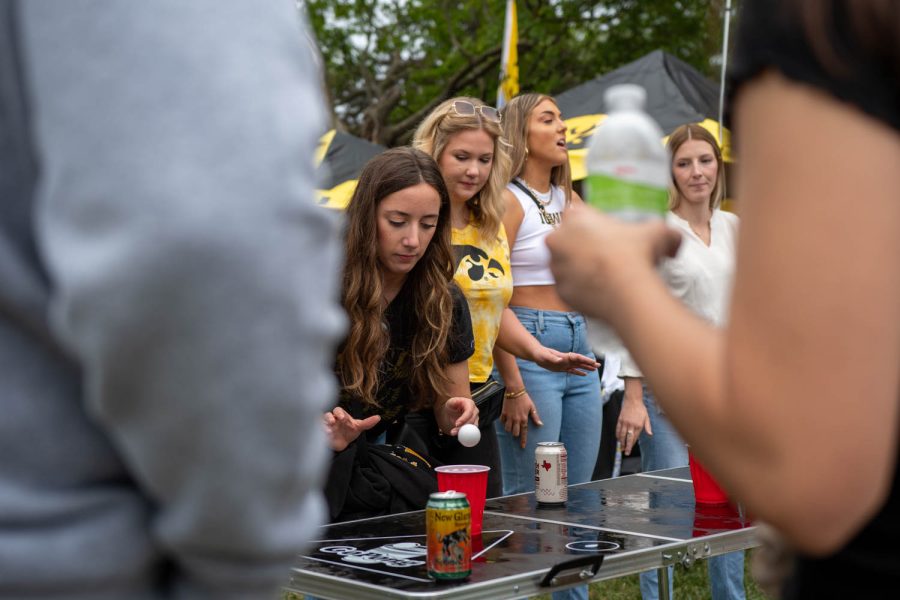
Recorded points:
515,130
432,137
681,135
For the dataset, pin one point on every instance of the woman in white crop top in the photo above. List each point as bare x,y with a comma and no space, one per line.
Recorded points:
569,406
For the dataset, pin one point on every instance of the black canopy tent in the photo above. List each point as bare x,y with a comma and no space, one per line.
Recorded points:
677,93
340,158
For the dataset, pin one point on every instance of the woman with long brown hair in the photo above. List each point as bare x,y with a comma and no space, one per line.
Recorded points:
410,334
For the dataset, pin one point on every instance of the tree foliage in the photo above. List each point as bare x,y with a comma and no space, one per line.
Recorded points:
389,62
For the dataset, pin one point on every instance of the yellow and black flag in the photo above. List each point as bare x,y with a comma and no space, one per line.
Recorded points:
509,61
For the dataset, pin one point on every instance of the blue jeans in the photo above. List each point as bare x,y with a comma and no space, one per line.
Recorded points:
569,406
665,450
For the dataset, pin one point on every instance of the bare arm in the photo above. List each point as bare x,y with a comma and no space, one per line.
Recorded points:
512,218
813,318
519,410
813,283
516,411
515,339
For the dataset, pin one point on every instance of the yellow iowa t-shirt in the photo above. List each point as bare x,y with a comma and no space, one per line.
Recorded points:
485,277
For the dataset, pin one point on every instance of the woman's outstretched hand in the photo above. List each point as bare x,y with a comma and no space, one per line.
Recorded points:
569,362
342,429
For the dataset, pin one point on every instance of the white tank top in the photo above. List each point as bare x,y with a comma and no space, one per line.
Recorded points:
530,258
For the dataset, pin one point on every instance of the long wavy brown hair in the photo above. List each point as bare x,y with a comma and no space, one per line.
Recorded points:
433,135
360,357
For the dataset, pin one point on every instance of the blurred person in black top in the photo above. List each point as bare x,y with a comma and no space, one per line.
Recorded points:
795,406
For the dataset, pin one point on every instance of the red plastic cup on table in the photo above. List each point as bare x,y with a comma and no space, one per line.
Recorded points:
706,491
472,481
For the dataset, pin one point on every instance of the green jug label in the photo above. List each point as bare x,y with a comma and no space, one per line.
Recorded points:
613,195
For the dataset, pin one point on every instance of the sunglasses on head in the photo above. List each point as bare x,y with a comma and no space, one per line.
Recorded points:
466,108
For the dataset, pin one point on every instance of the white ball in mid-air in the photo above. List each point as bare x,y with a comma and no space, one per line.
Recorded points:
469,435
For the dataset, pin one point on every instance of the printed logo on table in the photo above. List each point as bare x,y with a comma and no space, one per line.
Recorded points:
399,555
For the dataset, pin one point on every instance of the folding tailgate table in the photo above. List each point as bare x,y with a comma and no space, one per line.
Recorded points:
607,529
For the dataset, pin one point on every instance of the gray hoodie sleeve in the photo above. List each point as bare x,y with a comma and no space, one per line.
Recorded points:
193,278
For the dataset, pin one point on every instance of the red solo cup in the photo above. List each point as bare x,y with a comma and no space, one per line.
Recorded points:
706,491
470,480
717,518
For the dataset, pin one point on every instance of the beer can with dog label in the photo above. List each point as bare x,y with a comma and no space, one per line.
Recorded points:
448,527
551,474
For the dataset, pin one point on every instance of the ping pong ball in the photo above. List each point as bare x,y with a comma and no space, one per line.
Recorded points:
469,435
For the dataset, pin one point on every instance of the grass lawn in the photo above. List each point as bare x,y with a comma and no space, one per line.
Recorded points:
690,584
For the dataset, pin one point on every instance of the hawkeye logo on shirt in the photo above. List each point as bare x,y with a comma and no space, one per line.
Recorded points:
477,263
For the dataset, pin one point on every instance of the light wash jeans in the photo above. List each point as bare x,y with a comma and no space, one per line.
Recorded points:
665,450
569,406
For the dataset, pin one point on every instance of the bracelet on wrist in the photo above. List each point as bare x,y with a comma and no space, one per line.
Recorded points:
514,395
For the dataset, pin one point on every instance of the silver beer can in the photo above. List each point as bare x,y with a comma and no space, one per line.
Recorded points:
551,477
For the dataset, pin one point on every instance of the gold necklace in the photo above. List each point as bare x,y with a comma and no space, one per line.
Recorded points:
537,195
553,220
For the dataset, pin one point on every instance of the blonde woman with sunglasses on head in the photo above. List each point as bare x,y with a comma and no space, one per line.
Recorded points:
464,136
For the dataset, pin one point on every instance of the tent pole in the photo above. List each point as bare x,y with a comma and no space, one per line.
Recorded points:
724,67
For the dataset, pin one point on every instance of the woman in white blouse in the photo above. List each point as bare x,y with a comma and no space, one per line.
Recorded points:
700,276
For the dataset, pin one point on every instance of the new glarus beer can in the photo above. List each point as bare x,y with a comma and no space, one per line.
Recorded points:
551,477
448,526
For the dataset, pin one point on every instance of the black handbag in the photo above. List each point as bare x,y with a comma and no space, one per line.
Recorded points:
488,397
367,480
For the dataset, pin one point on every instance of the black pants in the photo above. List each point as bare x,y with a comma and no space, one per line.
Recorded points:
606,457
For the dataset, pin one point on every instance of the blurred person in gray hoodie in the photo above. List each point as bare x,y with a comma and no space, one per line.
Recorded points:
168,299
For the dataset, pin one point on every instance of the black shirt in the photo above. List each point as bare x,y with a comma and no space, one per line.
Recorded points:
357,487
394,392
864,73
